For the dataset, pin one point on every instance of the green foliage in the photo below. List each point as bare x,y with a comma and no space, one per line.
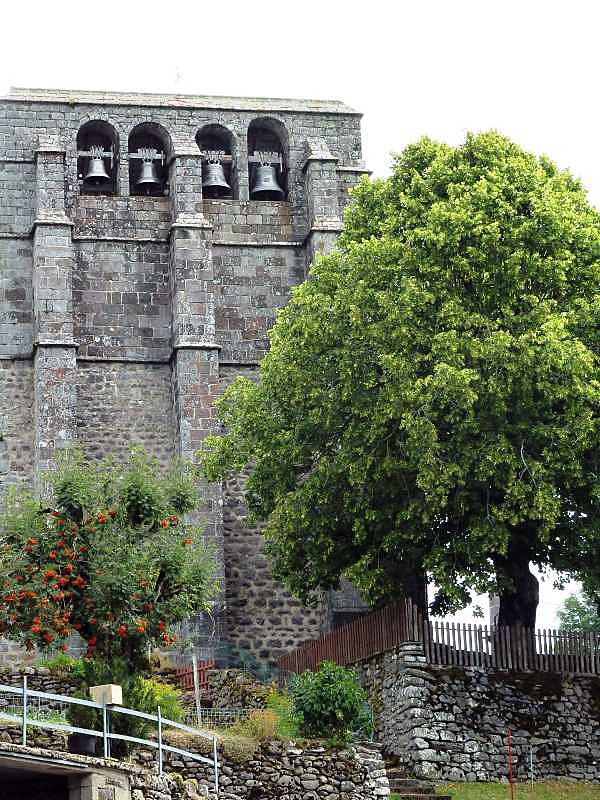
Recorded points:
431,395
65,667
107,555
288,719
147,694
139,693
279,720
331,704
260,725
579,613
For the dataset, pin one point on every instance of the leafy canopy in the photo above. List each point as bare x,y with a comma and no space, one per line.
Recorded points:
431,394
579,613
107,555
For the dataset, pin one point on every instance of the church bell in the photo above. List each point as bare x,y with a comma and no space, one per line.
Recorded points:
148,175
215,184
265,183
96,171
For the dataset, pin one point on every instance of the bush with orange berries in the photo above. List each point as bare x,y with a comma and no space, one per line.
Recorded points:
109,555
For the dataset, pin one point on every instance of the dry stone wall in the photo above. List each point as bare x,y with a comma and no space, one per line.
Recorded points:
283,771
451,724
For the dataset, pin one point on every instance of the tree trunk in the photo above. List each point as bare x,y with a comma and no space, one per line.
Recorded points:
416,589
519,600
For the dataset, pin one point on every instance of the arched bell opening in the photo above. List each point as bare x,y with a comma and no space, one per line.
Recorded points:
97,158
149,149
267,159
219,168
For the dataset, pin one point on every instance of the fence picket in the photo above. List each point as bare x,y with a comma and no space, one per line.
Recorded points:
471,660
452,644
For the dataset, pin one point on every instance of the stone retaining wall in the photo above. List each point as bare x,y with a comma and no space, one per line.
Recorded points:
450,723
273,770
249,770
38,678
286,772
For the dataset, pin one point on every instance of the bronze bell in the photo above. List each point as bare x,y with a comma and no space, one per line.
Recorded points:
96,171
265,184
215,183
148,175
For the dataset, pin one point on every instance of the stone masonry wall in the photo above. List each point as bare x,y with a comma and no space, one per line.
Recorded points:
121,404
263,617
275,770
451,724
121,218
16,422
283,771
120,315
17,189
16,297
252,283
121,300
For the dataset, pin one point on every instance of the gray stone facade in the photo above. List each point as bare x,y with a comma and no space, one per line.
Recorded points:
123,314
452,723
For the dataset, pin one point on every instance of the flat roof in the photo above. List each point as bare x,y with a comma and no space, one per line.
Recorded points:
85,97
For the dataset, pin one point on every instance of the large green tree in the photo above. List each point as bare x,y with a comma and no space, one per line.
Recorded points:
430,402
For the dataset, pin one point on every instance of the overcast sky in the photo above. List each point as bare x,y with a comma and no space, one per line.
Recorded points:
440,68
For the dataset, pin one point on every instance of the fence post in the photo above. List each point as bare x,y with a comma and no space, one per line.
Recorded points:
105,730
196,686
24,710
108,730
216,760
160,752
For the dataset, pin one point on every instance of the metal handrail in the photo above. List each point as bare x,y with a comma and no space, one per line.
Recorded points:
24,692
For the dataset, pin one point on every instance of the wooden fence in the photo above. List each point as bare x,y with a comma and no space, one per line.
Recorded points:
514,648
367,636
453,644
185,675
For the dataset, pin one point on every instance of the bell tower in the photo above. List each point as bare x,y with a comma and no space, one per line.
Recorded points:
146,243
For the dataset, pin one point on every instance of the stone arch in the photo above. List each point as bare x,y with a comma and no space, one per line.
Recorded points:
149,138
269,134
97,145
215,136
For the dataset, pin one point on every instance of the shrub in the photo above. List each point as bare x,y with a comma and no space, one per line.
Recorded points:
238,748
107,555
332,704
147,694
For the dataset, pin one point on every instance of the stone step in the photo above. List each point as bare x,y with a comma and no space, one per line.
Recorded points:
410,796
405,796
414,785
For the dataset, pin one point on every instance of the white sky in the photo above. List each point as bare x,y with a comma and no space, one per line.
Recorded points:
528,68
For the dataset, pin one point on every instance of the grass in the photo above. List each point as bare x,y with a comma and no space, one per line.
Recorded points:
523,791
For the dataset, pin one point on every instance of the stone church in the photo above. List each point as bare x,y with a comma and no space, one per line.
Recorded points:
146,242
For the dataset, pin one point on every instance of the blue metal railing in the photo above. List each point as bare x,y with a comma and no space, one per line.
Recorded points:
26,719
